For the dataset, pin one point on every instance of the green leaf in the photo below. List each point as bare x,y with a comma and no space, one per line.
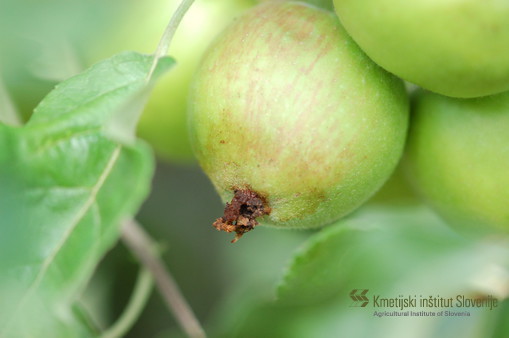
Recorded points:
88,99
378,249
368,250
391,252
65,188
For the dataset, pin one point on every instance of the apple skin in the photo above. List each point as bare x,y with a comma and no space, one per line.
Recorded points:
139,26
457,158
286,104
323,4
457,48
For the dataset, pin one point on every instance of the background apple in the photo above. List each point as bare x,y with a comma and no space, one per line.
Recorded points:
458,158
323,4
456,48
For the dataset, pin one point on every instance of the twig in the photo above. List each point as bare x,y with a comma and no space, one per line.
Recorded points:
142,291
143,247
169,32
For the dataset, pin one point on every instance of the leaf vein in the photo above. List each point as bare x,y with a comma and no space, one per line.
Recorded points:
81,213
79,216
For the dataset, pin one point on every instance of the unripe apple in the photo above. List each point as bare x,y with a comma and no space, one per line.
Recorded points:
293,120
457,48
138,26
458,158
323,4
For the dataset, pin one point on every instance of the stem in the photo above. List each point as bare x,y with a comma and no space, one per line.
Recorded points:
143,247
169,32
139,298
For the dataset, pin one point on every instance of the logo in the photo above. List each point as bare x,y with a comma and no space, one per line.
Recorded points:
418,305
359,299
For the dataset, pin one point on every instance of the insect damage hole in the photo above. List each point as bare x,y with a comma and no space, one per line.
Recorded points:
241,213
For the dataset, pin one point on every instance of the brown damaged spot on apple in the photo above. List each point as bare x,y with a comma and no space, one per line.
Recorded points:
241,213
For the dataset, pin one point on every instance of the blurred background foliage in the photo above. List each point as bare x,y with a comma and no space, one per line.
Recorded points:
392,244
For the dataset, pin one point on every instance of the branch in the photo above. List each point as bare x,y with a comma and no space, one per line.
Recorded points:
143,248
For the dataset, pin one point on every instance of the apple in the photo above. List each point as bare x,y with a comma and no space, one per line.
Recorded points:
457,158
292,121
457,48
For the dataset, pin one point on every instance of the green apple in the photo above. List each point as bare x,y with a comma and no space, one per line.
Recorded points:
458,158
139,26
324,4
290,117
457,48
